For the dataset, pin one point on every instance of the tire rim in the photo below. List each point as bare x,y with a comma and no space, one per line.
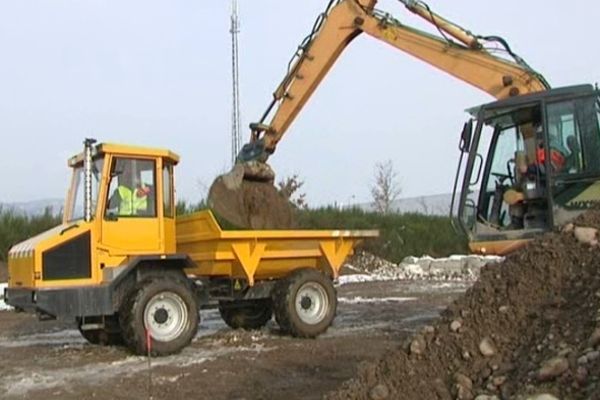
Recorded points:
312,303
165,316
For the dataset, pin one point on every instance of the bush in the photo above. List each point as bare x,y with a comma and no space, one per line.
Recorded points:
401,235
15,228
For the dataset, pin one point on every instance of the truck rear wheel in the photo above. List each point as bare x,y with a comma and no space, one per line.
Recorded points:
305,303
166,309
110,335
246,314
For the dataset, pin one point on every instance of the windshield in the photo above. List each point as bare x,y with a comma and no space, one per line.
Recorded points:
78,191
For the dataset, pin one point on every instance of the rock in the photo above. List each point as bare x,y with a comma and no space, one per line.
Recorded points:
503,309
581,375
499,380
463,393
428,330
486,347
379,392
582,360
543,396
552,368
418,345
592,355
463,380
594,339
486,397
585,235
455,325
568,227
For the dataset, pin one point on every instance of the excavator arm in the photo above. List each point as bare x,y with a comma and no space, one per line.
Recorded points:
466,57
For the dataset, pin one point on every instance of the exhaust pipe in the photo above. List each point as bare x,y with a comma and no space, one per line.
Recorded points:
87,179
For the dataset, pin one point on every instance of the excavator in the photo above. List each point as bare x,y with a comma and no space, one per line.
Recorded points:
530,160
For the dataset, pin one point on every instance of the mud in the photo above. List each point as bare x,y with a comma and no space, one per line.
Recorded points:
49,360
529,326
250,204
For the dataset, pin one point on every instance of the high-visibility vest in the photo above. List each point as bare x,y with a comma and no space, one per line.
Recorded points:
557,160
130,203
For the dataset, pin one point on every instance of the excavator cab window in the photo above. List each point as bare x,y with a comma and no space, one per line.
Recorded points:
540,165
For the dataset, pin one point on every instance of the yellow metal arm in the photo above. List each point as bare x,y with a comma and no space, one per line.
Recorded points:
344,20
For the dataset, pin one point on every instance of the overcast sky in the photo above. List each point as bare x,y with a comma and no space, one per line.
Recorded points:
158,73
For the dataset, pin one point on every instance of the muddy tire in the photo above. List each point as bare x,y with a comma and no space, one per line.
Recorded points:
305,303
109,336
246,314
167,308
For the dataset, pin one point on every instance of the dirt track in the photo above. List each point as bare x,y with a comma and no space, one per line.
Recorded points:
46,360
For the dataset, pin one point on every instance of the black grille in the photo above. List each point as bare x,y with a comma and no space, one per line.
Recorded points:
69,260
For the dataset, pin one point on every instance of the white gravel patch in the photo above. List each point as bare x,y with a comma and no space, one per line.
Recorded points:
371,300
3,305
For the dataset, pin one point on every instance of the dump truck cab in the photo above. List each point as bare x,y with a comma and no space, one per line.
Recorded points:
531,165
126,270
131,214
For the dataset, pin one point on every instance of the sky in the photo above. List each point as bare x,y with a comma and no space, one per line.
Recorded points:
158,73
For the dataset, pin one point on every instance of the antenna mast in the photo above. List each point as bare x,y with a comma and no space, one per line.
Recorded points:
235,113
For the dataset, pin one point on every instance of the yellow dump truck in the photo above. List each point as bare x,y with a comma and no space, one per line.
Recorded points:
127,270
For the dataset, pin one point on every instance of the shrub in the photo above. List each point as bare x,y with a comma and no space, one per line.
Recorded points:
401,235
15,227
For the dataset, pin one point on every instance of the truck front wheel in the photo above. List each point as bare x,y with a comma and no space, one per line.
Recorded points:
246,314
305,303
163,309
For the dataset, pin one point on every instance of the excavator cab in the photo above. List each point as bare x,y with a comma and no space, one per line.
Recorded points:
531,166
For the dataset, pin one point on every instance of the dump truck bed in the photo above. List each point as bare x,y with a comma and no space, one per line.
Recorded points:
261,254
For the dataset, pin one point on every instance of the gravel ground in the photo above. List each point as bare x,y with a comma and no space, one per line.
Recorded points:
47,360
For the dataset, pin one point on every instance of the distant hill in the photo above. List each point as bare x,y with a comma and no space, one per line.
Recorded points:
35,207
438,204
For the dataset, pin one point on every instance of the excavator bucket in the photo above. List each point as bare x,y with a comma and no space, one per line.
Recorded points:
247,198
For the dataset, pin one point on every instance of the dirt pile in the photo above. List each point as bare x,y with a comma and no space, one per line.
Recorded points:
250,204
529,327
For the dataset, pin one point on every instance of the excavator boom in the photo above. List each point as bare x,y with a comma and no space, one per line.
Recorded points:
343,20
246,196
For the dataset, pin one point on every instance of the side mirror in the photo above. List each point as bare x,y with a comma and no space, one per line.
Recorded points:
465,136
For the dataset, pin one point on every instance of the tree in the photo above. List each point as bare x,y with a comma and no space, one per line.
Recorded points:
386,188
289,188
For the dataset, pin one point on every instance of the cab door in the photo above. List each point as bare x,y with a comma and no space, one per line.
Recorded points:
130,223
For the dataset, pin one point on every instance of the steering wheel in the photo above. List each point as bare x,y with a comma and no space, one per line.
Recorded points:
502,177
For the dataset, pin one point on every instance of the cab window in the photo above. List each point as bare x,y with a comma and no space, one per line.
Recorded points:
131,189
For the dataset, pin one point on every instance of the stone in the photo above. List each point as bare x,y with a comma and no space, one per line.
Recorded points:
418,345
543,396
592,355
455,325
582,360
428,330
503,309
487,348
585,235
499,380
581,375
486,397
379,392
594,339
568,227
552,368
463,380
